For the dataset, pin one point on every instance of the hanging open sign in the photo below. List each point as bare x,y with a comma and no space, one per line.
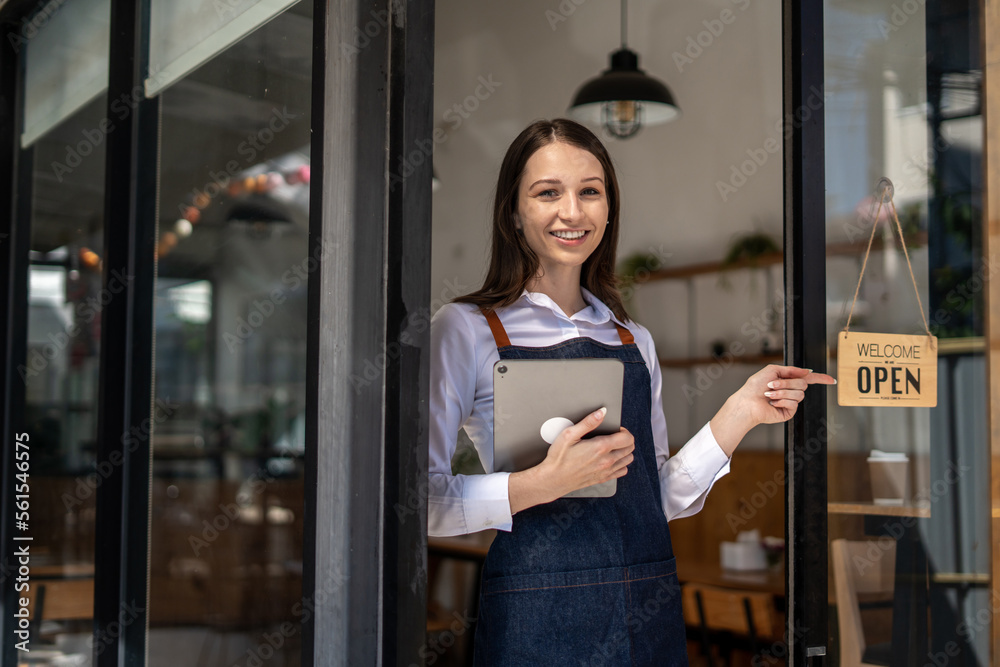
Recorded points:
877,369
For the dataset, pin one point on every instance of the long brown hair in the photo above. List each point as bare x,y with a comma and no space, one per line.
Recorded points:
512,262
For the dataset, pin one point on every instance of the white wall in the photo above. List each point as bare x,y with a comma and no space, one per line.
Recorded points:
730,96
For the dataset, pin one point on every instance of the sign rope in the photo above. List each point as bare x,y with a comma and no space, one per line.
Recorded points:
886,190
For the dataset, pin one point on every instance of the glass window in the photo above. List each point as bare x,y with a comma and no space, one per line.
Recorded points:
188,33
60,374
908,487
230,354
66,63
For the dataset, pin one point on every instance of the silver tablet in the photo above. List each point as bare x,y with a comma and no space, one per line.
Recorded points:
533,399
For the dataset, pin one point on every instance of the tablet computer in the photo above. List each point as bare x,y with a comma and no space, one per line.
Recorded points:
534,399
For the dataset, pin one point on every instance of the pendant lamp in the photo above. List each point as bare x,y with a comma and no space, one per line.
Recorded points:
623,97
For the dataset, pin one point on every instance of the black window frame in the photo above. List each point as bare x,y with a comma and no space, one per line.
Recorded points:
379,103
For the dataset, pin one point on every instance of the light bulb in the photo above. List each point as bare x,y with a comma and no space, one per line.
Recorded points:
622,118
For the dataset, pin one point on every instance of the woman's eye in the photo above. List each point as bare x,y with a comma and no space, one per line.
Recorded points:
591,191
547,193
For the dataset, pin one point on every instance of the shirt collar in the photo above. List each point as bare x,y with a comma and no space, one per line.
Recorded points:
597,313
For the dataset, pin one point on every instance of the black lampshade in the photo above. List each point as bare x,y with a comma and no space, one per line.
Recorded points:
623,97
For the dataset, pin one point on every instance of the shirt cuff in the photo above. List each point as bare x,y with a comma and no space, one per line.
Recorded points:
487,502
703,459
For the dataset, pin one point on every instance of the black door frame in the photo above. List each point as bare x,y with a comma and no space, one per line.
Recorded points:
366,432
370,223
805,330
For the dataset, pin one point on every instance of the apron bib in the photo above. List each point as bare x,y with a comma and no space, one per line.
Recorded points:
586,581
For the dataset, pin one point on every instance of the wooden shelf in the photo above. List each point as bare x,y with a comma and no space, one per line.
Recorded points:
751,359
769,259
871,509
692,270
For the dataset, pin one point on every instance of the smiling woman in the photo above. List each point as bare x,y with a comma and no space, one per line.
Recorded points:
562,214
550,289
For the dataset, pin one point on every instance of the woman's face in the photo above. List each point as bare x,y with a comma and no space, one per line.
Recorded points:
562,206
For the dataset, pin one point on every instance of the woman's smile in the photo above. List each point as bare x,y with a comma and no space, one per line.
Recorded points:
570,237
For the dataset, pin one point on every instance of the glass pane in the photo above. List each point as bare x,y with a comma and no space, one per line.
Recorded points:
230,357
189,33
65,300
66,49
908,487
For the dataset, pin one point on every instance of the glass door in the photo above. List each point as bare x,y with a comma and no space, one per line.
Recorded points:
908,506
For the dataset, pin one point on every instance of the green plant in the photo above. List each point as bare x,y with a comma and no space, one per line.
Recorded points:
745,250
635,268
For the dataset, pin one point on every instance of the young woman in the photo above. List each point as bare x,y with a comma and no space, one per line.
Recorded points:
571,580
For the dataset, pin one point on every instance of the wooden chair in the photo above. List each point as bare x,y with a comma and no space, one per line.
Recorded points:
730,617
856,572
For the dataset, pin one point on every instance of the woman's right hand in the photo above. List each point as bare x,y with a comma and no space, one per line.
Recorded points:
572,463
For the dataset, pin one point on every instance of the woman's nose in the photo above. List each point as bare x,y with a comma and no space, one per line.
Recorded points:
570,209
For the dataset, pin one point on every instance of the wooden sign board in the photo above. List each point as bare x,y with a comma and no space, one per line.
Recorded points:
886,370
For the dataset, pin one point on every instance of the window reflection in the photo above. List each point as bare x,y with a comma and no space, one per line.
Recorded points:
230,317
903,101
60,375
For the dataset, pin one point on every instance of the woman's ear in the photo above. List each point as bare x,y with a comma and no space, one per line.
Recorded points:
517,222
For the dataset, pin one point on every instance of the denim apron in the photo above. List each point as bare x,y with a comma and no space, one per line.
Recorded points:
586,581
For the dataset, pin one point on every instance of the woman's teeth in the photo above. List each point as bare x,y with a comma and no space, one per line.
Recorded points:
569,235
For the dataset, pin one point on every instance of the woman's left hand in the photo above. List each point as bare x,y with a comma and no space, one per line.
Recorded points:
769,396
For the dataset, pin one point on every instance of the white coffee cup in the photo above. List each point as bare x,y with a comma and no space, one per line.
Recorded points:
890,477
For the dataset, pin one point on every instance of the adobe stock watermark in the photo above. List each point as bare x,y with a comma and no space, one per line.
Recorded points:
768,489
967,630
92,138
454,116
916,168
653,260
249,148
364,35
127,615
435,647
302,611
901,13
84,313
163,410
565,9
898,526
416,322
697,44
229,513
261,310
739,174
753,330
30,27
667,593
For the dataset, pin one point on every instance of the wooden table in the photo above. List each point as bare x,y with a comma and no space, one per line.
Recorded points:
67,571
712,574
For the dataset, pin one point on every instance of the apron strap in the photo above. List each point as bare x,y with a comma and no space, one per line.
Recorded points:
502,340
499,333
624,334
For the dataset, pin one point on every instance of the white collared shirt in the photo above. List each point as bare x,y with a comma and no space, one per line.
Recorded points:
463,352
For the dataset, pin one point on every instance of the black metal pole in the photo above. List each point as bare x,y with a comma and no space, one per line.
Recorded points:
125,383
